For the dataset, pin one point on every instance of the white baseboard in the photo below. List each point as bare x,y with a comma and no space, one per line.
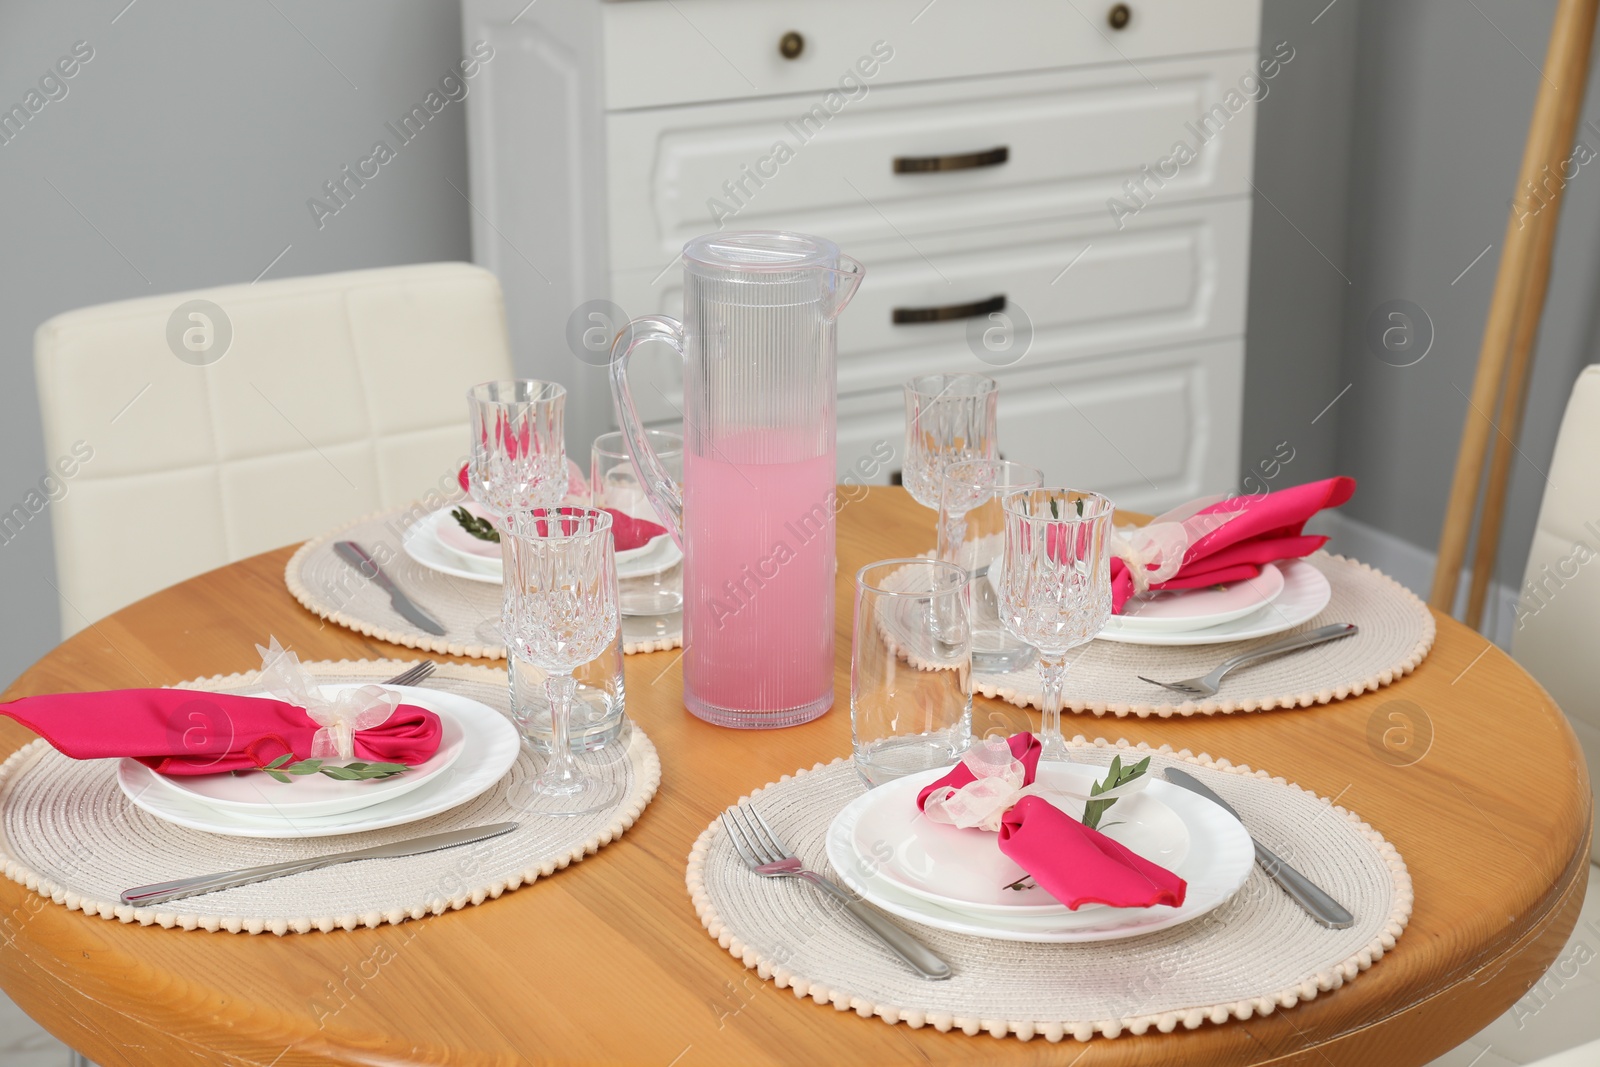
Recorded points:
1413,567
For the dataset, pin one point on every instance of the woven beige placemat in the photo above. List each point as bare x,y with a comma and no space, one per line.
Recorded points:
330,587
1254,955
68,833
1396,632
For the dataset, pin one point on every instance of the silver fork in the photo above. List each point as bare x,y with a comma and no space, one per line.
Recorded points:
765,855
1207,684
411,675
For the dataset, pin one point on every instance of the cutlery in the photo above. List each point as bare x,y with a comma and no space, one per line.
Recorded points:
357,557
411,675
1302,890
1207,684
766,856
161,892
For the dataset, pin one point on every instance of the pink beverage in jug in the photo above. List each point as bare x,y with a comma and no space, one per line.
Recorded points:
758,584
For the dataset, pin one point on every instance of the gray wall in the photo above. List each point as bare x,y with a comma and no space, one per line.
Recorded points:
1298,245
1441,112
184,153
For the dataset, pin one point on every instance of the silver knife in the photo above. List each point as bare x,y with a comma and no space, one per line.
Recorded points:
1302,890
357,557
161,892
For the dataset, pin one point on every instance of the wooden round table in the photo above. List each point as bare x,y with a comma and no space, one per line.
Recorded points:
605,962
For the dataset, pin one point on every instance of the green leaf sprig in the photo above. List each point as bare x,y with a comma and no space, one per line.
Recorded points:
482,529
1116,775
281,769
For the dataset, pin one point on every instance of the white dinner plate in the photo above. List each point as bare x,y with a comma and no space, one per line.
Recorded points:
1178,610
1219,860
489,747
964,870
1305,593
261,796
422,543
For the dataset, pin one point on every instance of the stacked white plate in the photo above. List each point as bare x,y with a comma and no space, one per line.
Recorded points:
478,747
958,880
1281,597
439,543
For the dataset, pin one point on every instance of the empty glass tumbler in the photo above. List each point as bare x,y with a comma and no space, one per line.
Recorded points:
644,587
910,683
599,702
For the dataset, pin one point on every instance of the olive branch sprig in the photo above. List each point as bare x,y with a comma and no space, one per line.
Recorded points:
482,529
281,769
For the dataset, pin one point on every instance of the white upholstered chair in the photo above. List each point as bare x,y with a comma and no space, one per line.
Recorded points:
337,395
1557,632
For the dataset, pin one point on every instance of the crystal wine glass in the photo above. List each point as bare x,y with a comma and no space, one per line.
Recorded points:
971,535
949,417
1055,583
560,613
519,456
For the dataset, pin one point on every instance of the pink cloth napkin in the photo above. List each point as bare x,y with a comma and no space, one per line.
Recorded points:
1268,529
1071,862
183,732
630,532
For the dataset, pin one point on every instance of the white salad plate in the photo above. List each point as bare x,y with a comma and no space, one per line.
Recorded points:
1305,593
423,544
260,796
963,870
1195,609
488,746
1217,856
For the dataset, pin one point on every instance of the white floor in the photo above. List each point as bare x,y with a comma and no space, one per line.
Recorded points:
24,1043
1562,1011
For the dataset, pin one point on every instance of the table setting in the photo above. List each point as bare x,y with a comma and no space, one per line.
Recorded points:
953,869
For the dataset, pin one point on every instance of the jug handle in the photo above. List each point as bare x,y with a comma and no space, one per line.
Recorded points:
653,475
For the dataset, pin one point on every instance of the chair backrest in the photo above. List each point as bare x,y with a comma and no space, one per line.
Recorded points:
190,430
1557,631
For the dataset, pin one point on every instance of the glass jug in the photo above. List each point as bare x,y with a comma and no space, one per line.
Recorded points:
755,514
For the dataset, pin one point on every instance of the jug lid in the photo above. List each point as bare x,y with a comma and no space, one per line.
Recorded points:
760,251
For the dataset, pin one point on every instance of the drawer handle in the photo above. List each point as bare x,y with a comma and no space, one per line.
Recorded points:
790,45
1119,16
926,164
950,311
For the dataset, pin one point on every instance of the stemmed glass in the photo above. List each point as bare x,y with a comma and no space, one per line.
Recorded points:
519,455
560,613
971,535
949,417
1055,583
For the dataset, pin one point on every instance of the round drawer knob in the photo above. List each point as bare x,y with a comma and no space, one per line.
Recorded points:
1119,16
790,45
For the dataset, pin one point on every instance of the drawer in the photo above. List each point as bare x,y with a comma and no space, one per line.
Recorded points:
1169,277
661,52
1033,147
1149,430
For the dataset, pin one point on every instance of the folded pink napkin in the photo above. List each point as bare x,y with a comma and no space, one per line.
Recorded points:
1071,862
1246,533
184,732
630,532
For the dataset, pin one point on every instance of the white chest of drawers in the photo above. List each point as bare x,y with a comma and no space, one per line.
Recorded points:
1095,177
